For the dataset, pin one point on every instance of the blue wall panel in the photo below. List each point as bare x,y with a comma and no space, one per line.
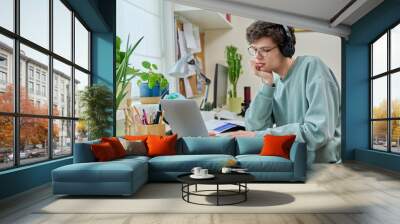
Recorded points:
24,178
356,81
100,16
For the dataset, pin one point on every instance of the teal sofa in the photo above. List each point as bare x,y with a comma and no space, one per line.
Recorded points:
125,176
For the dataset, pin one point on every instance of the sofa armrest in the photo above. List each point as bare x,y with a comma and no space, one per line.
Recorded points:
83,152
298,155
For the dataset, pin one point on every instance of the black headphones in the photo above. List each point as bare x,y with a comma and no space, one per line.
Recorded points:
287,47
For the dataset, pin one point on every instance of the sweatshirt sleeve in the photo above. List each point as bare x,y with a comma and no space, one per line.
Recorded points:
259,114
323,113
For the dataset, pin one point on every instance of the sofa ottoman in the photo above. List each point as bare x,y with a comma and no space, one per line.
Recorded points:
120,177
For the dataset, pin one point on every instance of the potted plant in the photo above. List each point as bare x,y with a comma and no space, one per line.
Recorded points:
124,72
97,104
151,83
234,61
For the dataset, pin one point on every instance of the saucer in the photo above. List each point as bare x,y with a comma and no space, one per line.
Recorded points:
208,176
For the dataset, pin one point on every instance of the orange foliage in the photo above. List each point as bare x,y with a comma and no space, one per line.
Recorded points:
33,130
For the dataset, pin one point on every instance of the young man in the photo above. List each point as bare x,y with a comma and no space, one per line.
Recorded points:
299,96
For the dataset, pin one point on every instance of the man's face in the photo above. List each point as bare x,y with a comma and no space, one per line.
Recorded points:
267,55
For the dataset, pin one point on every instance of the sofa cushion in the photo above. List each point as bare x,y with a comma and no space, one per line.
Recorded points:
116,145
249,145
207,145
161,145
257,163
103,152
277,145
112,171
136,147
83,152
185,163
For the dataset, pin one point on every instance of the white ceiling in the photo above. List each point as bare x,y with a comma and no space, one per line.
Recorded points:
317,15
321,9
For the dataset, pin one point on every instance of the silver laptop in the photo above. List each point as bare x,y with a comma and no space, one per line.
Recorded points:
184,118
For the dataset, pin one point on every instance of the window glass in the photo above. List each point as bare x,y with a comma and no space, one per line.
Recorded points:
379,135
395,47
395,136
81,82
62,138
379,97
62,91
6,142
39,62
7,14
81,45
379,55
35,21
33,140
62,29
6,74
395,95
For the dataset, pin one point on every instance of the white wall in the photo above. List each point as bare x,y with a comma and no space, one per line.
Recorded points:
327,47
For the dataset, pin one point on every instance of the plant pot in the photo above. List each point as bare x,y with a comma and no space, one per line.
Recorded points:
145,91
235,104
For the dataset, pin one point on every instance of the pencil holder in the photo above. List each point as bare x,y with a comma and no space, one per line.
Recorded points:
151,129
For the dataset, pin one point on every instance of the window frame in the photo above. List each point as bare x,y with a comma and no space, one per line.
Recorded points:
388,74
16,114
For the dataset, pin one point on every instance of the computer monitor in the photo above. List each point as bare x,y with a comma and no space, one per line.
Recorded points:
220,85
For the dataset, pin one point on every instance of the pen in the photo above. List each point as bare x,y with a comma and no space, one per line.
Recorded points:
145,117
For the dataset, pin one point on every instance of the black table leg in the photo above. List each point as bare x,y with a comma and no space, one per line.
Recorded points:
217,194
196,188
245,193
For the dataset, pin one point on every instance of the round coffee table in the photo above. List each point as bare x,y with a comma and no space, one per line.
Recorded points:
238,179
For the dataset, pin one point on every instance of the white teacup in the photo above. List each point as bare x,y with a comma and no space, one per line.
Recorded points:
196,171
203,172
226,170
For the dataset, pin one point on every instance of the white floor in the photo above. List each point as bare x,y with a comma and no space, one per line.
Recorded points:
377,189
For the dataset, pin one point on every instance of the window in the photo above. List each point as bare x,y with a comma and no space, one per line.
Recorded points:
37,74
3,78
44,91
34,21
45,131
3,61
7,14
30,87
62,29
385,94
62,74
38,89
30,72
81,45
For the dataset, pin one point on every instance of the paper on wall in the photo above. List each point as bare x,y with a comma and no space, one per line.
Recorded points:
188,88
182,44
192,37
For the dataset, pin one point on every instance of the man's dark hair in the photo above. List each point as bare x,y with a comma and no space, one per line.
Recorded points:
277,32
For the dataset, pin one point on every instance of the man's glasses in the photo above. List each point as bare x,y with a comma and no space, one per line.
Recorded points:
263,51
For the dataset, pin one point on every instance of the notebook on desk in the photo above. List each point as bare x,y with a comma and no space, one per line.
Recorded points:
222,126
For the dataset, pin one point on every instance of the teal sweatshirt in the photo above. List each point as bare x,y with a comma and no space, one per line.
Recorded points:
305,103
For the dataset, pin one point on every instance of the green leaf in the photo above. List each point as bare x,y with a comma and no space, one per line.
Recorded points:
154,66
118,43
146,64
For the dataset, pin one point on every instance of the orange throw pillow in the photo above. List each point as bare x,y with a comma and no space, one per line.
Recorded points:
277,145
136,137
116,145
103,152
161,145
